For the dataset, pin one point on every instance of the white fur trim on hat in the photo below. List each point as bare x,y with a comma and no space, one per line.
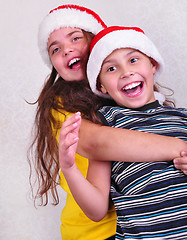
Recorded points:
67,16
115,37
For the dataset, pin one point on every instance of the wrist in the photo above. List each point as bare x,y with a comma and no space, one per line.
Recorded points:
67,170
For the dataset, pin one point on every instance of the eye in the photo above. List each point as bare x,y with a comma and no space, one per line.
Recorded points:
55,50
111,69
133,60
76,39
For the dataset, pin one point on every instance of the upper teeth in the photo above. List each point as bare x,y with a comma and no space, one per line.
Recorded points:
73,61
132,85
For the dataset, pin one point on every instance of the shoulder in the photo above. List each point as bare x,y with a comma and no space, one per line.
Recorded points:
112,109
111,115
60,115
174,110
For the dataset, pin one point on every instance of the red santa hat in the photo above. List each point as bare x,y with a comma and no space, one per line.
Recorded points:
67,16
115,37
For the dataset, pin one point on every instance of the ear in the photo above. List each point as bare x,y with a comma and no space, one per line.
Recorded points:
154,65
103,89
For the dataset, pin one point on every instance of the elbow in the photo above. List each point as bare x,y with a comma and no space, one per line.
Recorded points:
97,216
87,144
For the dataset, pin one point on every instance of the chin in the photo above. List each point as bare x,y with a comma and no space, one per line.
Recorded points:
136,104
81,77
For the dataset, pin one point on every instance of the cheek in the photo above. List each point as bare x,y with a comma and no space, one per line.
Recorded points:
85,51
85,46
57,62
59,67
54,60
56,66
109,85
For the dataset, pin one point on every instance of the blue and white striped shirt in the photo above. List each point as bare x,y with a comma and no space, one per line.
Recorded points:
150,198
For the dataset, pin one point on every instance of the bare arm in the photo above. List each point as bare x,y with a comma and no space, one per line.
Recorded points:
110,144
91,194
126,145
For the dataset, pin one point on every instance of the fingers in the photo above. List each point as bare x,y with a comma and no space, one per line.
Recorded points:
70,124
181,162
183,154
73,122
69,131
72,119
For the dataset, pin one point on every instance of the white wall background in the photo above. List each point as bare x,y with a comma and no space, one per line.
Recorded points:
23,72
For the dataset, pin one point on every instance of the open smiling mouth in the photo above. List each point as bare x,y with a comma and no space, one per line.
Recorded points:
74,63
133,89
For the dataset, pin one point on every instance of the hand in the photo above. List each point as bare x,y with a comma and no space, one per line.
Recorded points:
68,140
181,162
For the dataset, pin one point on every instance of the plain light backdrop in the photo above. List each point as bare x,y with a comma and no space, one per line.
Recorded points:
23,73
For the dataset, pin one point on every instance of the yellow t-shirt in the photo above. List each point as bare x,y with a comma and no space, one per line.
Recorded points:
75,225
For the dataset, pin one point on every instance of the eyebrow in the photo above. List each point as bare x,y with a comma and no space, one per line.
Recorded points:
68,35
111,60
53,43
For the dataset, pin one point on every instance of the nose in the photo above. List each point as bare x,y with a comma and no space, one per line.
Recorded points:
126,72
67,48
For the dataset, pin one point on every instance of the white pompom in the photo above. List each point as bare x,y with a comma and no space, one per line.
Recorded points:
160,97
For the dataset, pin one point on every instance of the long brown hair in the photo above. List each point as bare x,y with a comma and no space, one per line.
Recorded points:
59,95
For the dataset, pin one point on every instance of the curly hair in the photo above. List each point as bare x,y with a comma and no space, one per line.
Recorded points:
169,101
